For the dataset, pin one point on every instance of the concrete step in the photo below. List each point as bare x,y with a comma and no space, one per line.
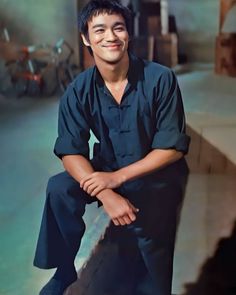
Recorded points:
212,144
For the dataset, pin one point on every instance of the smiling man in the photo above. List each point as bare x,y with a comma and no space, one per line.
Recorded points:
137,172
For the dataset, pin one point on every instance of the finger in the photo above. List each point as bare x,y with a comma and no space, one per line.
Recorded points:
87,178
88,188
134,208
87,184
132,216
115,221
85,188
127,219
84,179
91,188
97,190
121,221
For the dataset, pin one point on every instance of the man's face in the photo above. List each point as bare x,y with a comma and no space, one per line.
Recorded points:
108,37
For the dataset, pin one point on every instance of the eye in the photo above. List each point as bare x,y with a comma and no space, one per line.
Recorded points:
99,31
119,29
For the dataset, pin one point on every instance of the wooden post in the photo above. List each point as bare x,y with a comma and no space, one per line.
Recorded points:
225,52
164,17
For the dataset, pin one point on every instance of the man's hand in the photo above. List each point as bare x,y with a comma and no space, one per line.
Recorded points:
95,182
119,209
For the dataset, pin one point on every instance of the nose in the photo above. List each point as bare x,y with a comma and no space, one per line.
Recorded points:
110,35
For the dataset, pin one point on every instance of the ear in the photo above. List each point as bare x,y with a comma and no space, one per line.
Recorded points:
85,41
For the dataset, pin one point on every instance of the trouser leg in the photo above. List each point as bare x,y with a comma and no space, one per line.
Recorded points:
62,226
155,230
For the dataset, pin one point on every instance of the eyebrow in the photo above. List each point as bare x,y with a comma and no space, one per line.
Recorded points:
103,26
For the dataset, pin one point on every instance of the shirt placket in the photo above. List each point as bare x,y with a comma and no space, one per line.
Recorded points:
123,131
120,129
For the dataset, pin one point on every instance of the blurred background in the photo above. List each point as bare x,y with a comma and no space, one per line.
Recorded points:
40,54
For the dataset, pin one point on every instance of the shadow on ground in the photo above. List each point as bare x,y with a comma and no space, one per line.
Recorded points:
218,274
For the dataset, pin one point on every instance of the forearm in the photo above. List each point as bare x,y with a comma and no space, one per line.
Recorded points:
77,166
95,183
154,161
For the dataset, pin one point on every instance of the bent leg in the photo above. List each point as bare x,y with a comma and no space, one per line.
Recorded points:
62,225
155,230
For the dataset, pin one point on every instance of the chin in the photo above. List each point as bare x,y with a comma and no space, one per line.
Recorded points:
114,59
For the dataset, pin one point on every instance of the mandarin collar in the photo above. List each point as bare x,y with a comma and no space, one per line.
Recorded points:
134,74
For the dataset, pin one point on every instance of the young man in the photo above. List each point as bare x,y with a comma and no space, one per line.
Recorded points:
135,110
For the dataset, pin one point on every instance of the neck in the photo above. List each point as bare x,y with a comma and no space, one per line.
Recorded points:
113,73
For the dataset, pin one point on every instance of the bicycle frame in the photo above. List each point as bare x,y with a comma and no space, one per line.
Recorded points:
29,73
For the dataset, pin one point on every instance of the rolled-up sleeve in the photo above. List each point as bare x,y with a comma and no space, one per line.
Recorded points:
73,129
170,118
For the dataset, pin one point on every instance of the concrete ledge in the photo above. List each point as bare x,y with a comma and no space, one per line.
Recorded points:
212,148
111,267
204,157
98,262
96,222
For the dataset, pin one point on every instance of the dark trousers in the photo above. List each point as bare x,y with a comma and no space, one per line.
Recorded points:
154,230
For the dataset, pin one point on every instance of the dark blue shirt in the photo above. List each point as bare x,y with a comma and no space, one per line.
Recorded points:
150,116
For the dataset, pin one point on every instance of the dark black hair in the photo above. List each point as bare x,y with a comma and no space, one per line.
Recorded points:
96,7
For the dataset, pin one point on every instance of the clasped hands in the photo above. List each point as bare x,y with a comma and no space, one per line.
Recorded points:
100,184
96,182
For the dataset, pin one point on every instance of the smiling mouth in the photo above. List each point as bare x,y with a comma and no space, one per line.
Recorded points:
112,46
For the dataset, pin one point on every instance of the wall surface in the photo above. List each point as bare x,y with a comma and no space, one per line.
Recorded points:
229,25
35,22
45,21
198,25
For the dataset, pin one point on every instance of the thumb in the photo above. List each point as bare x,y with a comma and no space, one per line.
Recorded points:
134,208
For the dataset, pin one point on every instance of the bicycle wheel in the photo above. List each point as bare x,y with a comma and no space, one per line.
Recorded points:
5,80
18,75
49,76
63,76
20,85
33,88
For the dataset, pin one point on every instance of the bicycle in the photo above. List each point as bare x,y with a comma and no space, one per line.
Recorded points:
5,54
58,69
18,71
65,69
41,69
25,77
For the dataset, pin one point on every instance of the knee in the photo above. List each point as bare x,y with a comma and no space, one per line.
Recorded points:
54,186
57,188
58,192
62,188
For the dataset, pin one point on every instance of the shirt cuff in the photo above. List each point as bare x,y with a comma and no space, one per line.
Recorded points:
68,146
171,140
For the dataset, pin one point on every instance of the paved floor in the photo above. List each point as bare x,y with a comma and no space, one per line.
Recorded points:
28,130
204,257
